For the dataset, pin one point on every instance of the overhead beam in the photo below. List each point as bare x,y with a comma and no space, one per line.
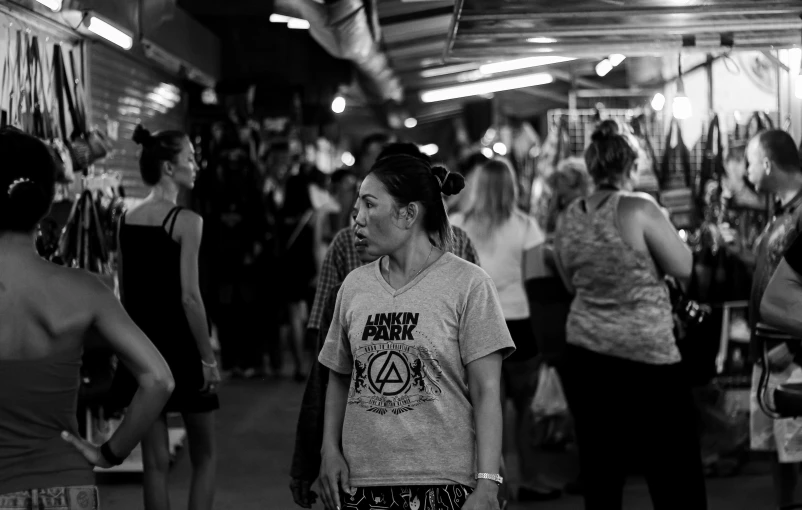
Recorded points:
724,8
633,92
568,77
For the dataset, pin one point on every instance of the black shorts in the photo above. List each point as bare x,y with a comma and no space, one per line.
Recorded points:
404,497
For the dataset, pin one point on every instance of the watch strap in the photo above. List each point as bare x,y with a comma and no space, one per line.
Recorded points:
487,476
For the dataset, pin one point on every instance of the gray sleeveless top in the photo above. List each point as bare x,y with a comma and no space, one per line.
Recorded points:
622,306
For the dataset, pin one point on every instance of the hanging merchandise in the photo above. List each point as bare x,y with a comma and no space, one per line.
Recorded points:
759,121
675,179
707,183
125,91
83,241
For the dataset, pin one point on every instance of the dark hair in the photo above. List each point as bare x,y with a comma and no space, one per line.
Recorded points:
157,147
609,157
736,152
412,179
27,180
780,148
468,164
403,148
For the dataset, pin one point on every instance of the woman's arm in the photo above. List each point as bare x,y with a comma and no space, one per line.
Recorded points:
141,358
190,231
484,381
781,306
333,470
671,254
120,259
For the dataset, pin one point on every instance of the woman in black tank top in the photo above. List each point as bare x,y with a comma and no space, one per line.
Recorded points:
159,244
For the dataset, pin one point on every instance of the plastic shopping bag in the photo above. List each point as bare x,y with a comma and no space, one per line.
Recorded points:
549,398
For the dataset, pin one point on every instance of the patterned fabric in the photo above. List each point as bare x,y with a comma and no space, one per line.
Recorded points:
410,497
342,258
54,498
622,306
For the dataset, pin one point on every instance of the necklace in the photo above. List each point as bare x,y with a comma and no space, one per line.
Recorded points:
419,270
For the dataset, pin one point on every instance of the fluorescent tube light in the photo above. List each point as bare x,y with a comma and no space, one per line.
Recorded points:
112,34
522,63
616,58
485,87
541,40
442,71
279,18
53,5
604,67
298,24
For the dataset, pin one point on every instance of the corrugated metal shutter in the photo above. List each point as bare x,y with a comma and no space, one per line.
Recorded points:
128,91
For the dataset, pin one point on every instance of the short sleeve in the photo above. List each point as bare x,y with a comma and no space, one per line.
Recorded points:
482,329
336,353
534,235
793,256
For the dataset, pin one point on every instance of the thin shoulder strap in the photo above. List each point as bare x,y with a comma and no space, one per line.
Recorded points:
173,214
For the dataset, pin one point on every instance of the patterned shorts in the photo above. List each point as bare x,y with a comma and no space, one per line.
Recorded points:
409,497
55,498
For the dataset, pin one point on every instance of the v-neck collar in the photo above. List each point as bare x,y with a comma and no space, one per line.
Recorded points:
395,293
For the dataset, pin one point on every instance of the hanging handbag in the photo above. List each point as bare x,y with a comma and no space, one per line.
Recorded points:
88,145
59,142
647,170
675,180
712,162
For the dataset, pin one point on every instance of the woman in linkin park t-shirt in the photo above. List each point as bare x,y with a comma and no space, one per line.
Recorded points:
413,412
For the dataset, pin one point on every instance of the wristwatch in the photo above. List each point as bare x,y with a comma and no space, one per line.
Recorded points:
486,476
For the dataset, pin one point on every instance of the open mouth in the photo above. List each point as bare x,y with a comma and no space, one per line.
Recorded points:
360,239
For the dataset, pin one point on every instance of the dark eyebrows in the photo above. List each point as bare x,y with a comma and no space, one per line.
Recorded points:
367,195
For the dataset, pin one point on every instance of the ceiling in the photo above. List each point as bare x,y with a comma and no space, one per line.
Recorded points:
436,43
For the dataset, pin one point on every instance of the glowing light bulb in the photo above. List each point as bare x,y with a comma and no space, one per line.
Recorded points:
500,149
682,107
411,122
338,105
604,67
658,102
348,159
487,152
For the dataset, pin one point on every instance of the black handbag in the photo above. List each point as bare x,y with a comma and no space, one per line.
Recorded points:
788,396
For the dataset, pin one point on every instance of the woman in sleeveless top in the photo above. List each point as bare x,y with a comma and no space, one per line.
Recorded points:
159,244
622,373
502,233
45,313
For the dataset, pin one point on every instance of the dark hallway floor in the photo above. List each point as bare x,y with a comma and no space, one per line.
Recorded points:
256,434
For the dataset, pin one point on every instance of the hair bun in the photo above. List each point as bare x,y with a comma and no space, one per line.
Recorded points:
142,136
605,130
450,183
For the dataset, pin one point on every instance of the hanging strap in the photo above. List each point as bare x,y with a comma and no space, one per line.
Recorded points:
172,215
684,154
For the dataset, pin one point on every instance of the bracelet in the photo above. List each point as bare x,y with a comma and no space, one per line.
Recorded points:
485,476
209,365
110,456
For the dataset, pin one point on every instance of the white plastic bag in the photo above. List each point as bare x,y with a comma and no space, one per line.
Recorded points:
549,398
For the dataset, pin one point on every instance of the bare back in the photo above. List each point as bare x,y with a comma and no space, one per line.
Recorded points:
45,309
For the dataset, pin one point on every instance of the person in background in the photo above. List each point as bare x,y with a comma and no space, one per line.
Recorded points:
335,214
158,245
621,357
342,257
466,168
369,150
502,234
46,312
445,423
774,167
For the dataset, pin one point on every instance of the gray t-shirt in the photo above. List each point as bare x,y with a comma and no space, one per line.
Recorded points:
409,418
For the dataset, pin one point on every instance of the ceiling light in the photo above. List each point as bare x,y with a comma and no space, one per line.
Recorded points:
604,67
298,24
112,34
430,149
658,102
279,18
500,149
442,71
348,159
616,58
487,152
522,63
411,122
681,106
541,40
53,5
338,105
485,87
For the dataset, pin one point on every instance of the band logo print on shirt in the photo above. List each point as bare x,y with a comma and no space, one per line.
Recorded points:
394,375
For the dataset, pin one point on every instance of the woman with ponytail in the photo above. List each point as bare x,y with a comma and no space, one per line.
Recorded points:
413,410
46,312
159,243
